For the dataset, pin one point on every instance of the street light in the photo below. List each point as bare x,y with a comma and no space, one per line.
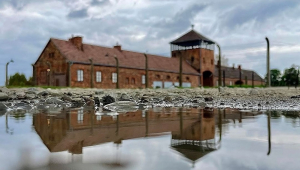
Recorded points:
117,66
6,81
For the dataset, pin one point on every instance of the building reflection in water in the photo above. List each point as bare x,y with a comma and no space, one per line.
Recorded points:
193,130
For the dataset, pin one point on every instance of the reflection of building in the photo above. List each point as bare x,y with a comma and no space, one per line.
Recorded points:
70,131
196,140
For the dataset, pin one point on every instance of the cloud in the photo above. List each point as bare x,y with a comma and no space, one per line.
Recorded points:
239,27
81,13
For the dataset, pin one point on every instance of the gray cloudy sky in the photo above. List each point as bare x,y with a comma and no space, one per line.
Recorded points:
240,27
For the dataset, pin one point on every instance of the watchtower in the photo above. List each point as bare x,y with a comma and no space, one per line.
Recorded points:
198,51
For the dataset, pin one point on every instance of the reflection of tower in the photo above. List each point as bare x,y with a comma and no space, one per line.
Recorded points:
195,139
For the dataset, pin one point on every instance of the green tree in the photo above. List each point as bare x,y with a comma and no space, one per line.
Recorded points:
275,77
18,80
290,77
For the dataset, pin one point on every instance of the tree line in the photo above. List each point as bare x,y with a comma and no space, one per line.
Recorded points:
290,77
19,79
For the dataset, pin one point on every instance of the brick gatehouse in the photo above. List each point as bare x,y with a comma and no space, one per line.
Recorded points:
76,64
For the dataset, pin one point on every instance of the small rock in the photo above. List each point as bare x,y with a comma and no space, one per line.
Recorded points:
3,96
107,100
168,99
124,97
208,99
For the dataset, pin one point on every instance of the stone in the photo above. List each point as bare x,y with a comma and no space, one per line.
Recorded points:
122,106
3,106
168,99
124,97
208,99
107,100
3,96
54,100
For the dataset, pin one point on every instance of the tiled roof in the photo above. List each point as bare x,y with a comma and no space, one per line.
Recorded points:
191,36
234,73
127,59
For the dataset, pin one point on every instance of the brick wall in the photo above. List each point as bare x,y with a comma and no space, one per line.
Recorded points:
198,58
128,78
228,80
58,66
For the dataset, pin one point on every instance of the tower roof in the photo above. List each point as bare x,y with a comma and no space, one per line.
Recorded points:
190,37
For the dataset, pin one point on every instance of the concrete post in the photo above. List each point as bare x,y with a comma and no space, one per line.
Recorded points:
223,78
180,69
49,70
146,69
6,72
252,79
268,64
33,75
219,67
92,73
117,65
70,63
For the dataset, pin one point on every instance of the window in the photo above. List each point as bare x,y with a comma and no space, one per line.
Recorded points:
114,77
178,77
127,80
212,62
168,77
98,76
230,83
157,76
51,55
143,79
192,59
80,116
98,117
132,81
79,75
203,60
187,78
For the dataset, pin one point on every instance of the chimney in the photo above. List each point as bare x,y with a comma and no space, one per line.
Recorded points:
240,67
77,41
118,47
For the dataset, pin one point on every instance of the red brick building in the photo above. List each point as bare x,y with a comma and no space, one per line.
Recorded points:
76,64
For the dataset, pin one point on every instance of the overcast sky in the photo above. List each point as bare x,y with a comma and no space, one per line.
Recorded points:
240,27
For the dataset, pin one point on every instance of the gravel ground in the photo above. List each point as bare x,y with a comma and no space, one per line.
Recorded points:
275,98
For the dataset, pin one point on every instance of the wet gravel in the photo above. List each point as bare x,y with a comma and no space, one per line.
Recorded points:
35,100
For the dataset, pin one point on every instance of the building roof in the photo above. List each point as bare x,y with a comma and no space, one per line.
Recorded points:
234,73
190,37
192,152
127,59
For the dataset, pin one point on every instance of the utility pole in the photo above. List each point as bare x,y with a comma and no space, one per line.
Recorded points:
219,67
268,64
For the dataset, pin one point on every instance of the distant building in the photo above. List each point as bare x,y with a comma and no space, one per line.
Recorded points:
75,64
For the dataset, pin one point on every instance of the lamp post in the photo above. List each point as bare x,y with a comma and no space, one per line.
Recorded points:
146,69
49,73
6,70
